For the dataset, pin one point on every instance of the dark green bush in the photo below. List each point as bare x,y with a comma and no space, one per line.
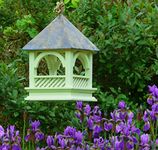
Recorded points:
124,31
126,34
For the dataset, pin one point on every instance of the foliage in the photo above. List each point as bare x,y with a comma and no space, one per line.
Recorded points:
13,105
96,132
127,38
124,31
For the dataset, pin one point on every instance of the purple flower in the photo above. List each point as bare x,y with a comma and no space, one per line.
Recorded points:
134,139
96,131
97,118
90,123
96,111
27,137
116,143
12,130
35,125
78,115
61,141
79,106
122,115
1,131
150,101
135,130
153,90
144,139
155,107
130,117
119,127
87,110
108,126
130,145
145,117
78,137
99,143
16,147
122,105
126,130
152,115
70,131
146,126
5,147
156,141
39,136
50,141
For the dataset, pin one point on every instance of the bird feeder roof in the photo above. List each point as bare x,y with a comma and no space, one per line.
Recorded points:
60,34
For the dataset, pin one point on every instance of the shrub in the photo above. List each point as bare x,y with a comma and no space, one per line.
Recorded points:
117,131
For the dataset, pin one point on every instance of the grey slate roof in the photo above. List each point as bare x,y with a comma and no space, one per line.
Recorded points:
60,34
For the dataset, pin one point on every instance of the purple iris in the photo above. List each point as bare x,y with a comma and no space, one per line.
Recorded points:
153,90
108,126
99,143
50,141
130,145
39,136
12,130
135,130
119,127
146,126
155,107
150,101
70,131
1,131
78,137
96,111
156,141
144,139
61,141
79,106
122,105
90,123
87,110
97,118
145,117
35,125
96,131
16,147
153,115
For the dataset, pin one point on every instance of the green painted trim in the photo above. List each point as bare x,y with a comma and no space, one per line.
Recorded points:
62,89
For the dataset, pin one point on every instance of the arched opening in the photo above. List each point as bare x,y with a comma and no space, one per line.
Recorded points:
78,68
50,65
42,69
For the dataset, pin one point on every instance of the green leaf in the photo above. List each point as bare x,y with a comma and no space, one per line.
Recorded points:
74,3
16,114
66,1
32,32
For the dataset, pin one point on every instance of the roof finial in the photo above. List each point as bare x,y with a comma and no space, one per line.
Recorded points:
60,6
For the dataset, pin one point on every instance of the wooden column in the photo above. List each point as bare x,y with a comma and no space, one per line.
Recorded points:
69,68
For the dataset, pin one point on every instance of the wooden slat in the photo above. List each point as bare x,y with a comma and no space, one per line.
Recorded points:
52,80
41,84
47,82
83,82
59,83
54,83
63,83
76,81
39,81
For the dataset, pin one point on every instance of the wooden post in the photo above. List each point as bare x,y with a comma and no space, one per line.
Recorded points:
90,71
69,68
31,69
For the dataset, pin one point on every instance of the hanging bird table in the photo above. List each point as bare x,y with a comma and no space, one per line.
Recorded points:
68,55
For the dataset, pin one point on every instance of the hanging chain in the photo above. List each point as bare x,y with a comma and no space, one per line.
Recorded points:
60,7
